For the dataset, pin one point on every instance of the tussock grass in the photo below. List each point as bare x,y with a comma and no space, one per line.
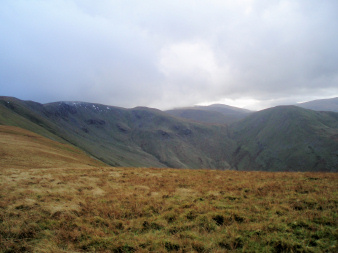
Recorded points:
107,209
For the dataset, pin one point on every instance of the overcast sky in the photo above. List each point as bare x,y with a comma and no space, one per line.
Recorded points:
165,54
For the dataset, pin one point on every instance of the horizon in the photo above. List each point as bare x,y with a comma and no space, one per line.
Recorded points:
173,108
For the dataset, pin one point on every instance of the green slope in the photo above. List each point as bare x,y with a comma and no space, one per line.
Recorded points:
139,136
287,138
15,112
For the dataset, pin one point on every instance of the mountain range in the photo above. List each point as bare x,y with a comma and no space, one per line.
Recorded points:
283,138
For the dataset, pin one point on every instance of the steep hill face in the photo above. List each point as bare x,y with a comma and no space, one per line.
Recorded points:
287,138
20,148
214,114
141,136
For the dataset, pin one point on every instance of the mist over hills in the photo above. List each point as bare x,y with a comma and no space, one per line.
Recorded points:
330,104
216,113
284,138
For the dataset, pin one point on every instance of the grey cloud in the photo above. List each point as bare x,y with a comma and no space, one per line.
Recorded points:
168,53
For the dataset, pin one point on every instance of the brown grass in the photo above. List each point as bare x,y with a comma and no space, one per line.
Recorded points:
107,209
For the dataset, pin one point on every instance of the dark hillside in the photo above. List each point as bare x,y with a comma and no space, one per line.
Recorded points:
141,136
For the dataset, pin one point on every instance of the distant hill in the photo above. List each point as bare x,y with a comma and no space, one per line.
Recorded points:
330,104
214,114
285,138
20,148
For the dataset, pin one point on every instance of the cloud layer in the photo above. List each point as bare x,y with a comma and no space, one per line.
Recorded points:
168,54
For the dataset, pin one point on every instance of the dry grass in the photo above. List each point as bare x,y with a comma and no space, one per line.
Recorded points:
107,209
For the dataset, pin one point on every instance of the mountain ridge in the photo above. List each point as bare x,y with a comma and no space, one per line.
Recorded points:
148,137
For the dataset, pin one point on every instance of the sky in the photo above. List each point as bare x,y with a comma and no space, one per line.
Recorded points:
167,54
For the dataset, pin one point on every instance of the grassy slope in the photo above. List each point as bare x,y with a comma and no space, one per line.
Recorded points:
166,210
14,112
20,148
287,138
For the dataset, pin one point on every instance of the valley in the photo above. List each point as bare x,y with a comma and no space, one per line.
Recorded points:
283,138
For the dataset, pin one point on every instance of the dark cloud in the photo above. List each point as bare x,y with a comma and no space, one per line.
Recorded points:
169,53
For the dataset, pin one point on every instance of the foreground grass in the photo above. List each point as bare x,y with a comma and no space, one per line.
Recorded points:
139,210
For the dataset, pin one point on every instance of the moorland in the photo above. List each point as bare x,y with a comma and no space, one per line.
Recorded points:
56,198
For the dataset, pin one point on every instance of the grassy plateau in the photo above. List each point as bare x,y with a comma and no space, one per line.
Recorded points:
107,209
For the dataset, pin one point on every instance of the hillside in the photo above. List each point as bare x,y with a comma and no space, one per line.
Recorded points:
20,148
214,114
330,104
15,112
128,137
287,138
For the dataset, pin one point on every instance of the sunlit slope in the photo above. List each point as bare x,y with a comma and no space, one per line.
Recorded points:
20,148
287,138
